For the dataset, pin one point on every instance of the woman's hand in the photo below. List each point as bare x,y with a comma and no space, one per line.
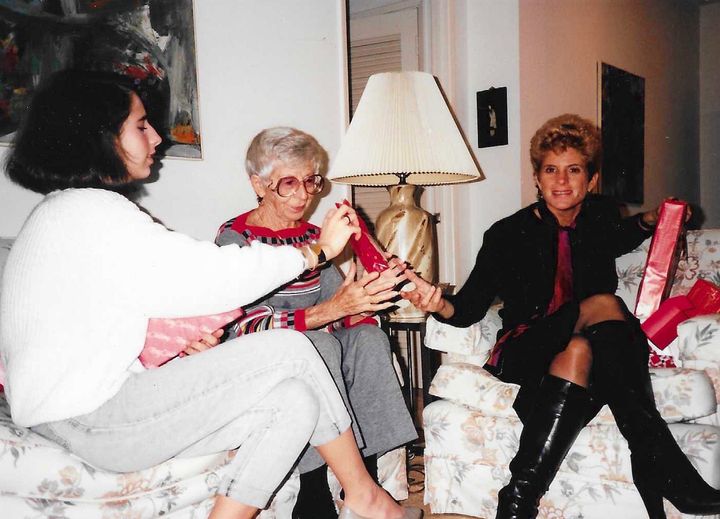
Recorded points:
358,299
339,224
650,218
371,293
205,343
427,297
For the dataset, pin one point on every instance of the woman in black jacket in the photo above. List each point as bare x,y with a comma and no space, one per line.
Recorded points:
567,340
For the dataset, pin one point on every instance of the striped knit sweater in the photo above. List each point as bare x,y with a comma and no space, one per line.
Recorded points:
285,307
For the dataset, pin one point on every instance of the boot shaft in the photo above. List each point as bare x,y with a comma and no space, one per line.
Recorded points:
560,412
660,468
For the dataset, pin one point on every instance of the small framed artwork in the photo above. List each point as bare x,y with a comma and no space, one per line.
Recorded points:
151,41
622,115
492,117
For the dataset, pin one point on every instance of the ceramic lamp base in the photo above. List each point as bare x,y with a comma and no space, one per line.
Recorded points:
408,231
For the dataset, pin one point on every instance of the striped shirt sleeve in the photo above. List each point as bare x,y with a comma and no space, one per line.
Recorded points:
265,317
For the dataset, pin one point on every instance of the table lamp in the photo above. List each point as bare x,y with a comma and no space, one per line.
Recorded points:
403,135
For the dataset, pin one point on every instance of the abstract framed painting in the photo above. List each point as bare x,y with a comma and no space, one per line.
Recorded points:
622,115
152,41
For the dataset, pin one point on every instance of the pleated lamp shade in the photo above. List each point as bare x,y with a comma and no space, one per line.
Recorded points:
403,132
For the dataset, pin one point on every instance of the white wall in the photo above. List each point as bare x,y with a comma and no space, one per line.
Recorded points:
485,54
260,64
561,42
710,113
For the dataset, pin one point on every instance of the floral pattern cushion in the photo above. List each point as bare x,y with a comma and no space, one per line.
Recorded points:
472,433
702,262
471,386
680,394
630,269
38,478
475,341
699,345
699,338
467,454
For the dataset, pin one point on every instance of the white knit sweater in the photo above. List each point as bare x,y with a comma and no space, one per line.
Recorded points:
86,272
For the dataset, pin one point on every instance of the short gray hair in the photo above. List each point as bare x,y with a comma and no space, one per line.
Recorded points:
284,145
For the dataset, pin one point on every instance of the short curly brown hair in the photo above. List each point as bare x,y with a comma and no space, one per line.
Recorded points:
567,131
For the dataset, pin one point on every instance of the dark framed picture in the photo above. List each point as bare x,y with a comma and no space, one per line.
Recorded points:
152,41
623,134
492,117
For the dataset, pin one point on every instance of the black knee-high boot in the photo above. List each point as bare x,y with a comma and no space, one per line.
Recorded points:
560,413
660,468
314,499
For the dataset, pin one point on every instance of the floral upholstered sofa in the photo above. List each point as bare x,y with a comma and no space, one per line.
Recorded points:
39,479
472,432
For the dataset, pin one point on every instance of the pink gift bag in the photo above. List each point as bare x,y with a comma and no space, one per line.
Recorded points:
662,259
167,338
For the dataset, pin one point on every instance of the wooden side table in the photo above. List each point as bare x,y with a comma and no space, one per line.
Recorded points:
421,363
418,370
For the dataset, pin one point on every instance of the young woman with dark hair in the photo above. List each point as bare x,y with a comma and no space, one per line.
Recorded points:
87,271
59,147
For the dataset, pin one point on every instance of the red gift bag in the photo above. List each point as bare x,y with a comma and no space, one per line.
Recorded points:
705,296
661,326
662,259
366,248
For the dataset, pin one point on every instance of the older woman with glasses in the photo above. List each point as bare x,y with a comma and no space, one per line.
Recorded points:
286,168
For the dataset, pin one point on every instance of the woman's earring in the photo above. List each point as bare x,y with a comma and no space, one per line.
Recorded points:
539,193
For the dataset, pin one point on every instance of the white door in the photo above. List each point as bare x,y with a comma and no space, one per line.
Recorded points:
385,42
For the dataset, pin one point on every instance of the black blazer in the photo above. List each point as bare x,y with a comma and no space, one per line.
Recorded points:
518,259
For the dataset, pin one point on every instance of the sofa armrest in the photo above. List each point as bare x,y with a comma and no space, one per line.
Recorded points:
699,339
476,340
699,347
471,386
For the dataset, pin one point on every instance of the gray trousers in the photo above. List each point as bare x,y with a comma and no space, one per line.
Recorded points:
360,362
268,393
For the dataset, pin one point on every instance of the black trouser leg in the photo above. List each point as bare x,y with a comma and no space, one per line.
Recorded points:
371,466
314,499
660,468
560,412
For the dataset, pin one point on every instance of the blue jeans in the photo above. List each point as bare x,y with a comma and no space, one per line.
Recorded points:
267,394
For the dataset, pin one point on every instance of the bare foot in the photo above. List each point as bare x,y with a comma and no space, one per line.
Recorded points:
374,503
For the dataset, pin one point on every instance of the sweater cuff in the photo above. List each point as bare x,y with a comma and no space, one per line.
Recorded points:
299,320
457,319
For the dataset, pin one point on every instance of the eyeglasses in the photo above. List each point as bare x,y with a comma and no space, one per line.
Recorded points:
288,186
